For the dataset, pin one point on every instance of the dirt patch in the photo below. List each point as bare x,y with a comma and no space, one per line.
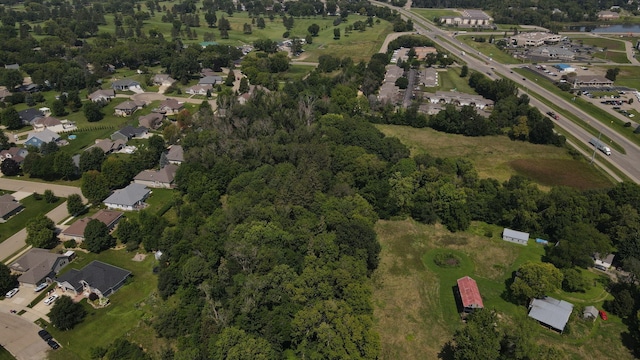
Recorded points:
139,257
558,172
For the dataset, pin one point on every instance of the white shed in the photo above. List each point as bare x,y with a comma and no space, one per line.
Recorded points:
514,236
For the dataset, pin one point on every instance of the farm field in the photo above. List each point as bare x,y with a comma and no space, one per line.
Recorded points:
500,158
415,311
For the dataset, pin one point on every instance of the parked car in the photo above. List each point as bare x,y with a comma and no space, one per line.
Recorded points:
41,287
603,315
51,299
44,334
54,345
11,292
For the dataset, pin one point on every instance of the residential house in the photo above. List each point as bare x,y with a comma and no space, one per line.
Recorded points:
199,89
244,98
9,206
102,95
28,116
37,266
459,99
151,121
129,198
389,92
591,81
551,312
162,178
607,15
602,263
469,294
53,124
108,146
124,85
129,132
590,312
76,230
210,80
4,93
517,237
126,108
207,72
175,154
163,79
97,277
37,138
170,106
15,153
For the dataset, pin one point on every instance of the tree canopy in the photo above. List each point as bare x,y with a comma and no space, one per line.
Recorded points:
66,314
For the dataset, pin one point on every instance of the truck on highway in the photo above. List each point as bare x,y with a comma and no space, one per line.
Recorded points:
600,146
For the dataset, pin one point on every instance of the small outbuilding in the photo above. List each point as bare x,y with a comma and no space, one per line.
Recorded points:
517,237
551,312
469,294
602,263
590,312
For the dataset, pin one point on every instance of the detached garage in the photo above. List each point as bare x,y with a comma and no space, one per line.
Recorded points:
514,236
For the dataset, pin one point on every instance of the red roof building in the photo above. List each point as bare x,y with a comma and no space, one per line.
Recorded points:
469,294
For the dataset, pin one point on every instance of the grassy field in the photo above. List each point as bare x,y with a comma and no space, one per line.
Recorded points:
32,208
5,355
600,42
415,309
619,57
431,14
126,315
357,45
500,158
488,49
629,76
450,80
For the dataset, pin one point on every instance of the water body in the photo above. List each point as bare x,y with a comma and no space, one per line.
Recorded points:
618,29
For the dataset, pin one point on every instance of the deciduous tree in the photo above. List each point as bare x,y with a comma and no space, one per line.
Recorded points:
97,237
75,206
94,186
10,167
41,232
66,314
535,280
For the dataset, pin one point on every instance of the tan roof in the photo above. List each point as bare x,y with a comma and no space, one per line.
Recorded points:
164,175
151,121
176,153
8,204
102,93
108,217
172,104
47,121
35,264
107,145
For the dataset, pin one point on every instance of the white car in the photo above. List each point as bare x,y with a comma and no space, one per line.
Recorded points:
51,299
11,293
41,287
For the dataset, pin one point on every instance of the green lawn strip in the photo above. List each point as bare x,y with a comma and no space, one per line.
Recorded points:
5,355
599,114
32,208
126,311
489,50
450,80
297,72
430,14
600,42
618,57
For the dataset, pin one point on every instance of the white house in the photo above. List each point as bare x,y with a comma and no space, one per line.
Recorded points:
602,263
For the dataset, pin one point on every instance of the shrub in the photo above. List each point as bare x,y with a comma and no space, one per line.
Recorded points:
70,244
447,260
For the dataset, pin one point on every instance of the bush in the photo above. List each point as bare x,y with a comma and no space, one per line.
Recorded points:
70,244
37,196
447,260
627,124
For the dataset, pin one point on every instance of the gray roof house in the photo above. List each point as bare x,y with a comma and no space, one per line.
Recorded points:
129,132
102,95
124,84
212,79
126,108
170,106
15,153
129,198
97,277
38,265
175,154
108,146
517,237
41,137
603,263
163,79
162,178
9,206
151,121
29,115
551,312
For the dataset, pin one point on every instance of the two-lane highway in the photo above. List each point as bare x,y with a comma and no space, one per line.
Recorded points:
627,163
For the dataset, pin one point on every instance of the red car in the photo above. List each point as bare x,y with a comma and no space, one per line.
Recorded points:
603,315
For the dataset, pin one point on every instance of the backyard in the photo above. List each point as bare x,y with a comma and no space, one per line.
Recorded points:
408,285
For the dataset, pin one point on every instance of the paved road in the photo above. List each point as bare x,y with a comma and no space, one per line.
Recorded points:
626,163
20,337
31,186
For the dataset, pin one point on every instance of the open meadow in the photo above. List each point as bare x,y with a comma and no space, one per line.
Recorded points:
500,158
415,308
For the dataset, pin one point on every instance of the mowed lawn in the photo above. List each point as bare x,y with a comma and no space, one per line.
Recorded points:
125,315
600,42
430,14
629,75
500,158
414,303
32,208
